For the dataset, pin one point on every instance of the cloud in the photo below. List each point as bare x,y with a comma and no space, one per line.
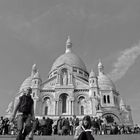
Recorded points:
125,60
38,30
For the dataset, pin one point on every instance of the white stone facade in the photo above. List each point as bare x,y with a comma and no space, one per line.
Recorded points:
71,90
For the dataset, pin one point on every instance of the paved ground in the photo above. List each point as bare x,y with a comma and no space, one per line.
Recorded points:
104,137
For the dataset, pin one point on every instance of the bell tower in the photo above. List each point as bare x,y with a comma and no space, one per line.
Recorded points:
93,84
36,82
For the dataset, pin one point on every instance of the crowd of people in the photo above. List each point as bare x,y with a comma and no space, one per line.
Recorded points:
67,126
23,123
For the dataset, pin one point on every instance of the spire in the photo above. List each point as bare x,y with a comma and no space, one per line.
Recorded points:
122,103
37,75
100,67
92,74
34,69
68,45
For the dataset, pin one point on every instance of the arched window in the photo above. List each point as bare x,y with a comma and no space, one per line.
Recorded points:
46,110
81,101
63,102
104,99
108,98
82,110
46,106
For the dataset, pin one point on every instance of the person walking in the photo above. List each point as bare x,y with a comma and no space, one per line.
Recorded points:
24,109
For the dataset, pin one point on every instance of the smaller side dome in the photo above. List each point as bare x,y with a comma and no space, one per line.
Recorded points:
105,83
27,83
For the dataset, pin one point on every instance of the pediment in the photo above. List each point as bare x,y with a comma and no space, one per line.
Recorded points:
49,84
79,83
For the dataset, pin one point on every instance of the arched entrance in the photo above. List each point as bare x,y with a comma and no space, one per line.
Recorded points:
82,110
46,106
81,105
111,118
46,110
63,103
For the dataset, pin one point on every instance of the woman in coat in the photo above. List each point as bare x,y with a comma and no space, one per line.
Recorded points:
83,131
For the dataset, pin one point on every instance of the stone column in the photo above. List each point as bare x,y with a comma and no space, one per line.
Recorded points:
69,107
69,112
35,103
59,107
72,106
35,106
91,99
56,107
70,78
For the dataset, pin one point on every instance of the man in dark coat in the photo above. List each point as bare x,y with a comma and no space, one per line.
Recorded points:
25,114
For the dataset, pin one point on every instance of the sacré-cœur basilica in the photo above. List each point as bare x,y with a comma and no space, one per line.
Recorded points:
71,90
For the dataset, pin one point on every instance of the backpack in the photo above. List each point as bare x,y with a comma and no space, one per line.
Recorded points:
25,104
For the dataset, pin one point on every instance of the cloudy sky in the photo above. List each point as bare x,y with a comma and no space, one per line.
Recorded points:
35,31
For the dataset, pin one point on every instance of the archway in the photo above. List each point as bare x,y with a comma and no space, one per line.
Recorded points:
46,110
46,106
63,103
111,118
82,104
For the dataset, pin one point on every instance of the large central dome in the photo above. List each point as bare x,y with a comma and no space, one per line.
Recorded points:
69,58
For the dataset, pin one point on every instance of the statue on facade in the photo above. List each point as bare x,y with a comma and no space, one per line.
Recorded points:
65,78
97,103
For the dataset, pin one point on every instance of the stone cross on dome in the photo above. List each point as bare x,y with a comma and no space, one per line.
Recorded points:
68,45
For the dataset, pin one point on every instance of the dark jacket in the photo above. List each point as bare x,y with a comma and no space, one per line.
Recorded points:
85,136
